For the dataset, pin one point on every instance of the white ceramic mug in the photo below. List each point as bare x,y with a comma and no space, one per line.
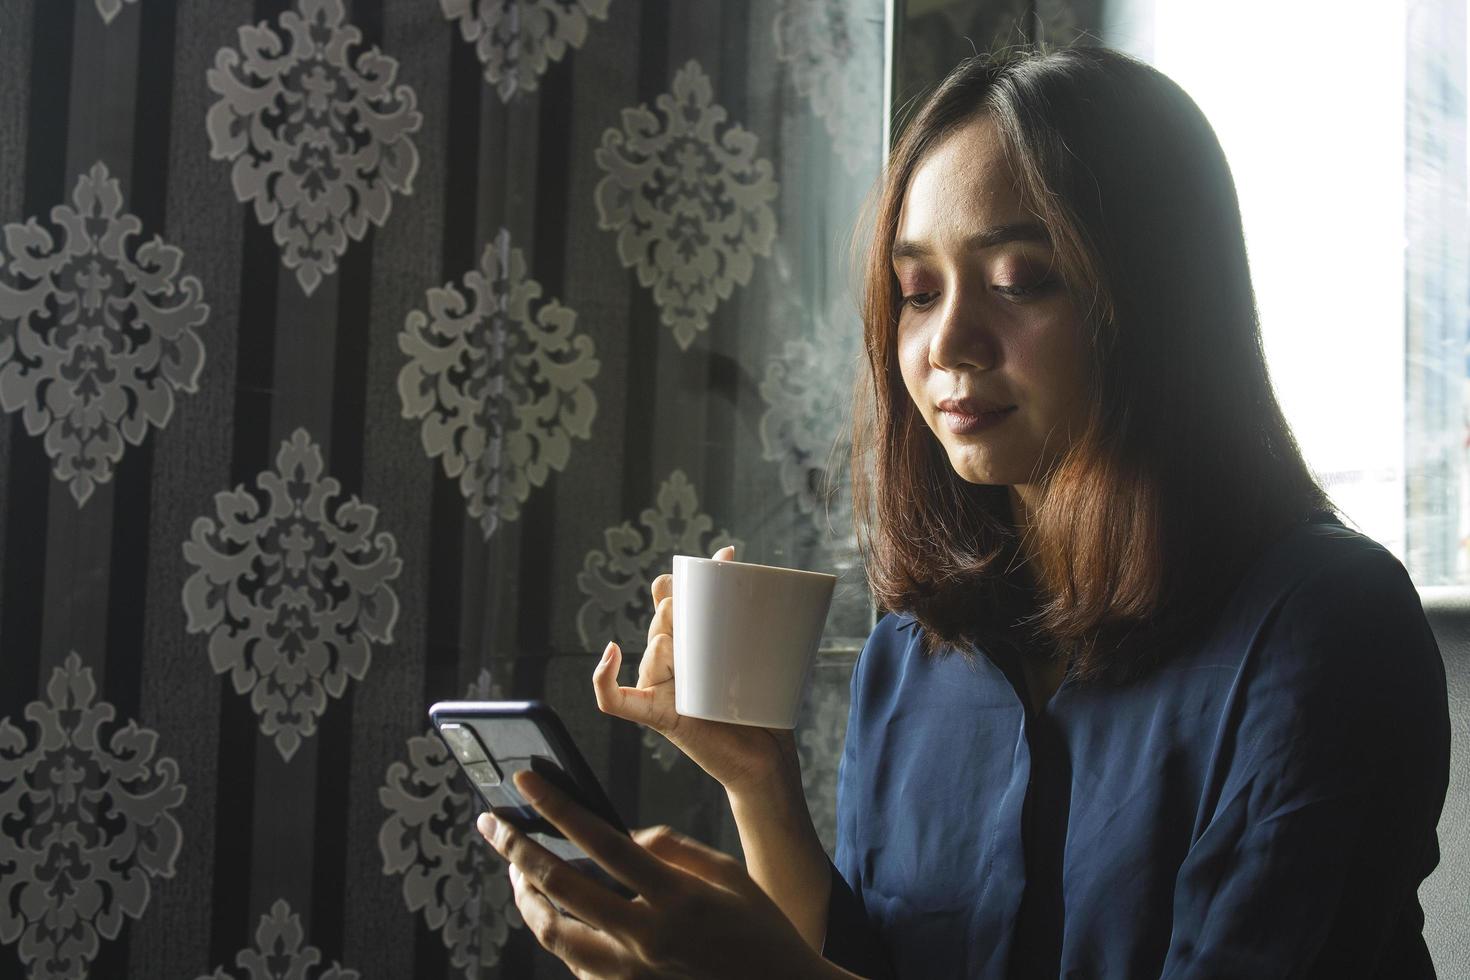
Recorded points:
745,638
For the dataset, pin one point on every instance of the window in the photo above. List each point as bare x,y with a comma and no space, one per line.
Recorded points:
1346,137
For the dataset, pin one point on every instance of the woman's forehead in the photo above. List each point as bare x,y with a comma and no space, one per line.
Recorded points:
963,185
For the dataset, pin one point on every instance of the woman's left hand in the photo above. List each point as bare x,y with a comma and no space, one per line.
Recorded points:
697,914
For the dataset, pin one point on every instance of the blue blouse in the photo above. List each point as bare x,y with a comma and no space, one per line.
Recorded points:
1262,805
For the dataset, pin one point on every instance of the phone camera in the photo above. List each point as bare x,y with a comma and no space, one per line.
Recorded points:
467,749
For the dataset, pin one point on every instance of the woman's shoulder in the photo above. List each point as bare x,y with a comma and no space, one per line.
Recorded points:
885,657
1338,672
1321,608
1323,559
889,640
1327,601
894,627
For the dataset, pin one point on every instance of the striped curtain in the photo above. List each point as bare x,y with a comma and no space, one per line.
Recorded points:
356,354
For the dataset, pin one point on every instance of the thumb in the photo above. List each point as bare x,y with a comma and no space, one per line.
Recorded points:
727,553
698,859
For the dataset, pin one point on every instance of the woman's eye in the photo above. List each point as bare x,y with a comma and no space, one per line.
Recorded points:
919,300
1022,292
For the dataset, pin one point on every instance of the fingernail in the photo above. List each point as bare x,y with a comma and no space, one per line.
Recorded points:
606,654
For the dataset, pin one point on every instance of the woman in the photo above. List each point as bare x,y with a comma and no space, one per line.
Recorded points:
1140,706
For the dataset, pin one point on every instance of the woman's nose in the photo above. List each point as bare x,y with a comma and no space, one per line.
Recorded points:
962,340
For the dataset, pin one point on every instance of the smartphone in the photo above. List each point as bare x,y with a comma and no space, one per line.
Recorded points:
492,740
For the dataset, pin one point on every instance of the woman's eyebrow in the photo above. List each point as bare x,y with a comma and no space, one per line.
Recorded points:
1019,231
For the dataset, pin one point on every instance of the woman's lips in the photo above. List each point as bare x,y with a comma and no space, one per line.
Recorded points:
963,424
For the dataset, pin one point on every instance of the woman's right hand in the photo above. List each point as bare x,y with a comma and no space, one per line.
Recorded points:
741,757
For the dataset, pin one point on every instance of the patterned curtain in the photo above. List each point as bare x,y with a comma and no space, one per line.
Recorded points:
356,354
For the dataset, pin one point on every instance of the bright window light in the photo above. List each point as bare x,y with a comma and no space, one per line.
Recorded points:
1313,129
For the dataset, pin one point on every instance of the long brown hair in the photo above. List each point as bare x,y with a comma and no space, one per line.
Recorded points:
1186,467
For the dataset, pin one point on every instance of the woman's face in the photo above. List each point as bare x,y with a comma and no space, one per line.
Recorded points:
990,342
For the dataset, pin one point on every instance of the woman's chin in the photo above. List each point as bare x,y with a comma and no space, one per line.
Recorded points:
979,468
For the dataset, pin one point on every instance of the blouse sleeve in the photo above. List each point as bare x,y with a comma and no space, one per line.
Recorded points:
852,939
1332,770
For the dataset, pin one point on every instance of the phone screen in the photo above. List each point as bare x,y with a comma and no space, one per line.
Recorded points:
492,740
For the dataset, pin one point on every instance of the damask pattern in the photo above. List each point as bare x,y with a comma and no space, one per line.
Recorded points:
291,584
86,825
690,205
278,953
317,132
110,8
502,390
832,46
617,580
461,885
96,331
805,426
517,39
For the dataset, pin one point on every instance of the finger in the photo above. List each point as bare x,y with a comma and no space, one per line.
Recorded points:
662,620
657,665
662,587
727,553
698,859
556,879
614,851
576,944
630,703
